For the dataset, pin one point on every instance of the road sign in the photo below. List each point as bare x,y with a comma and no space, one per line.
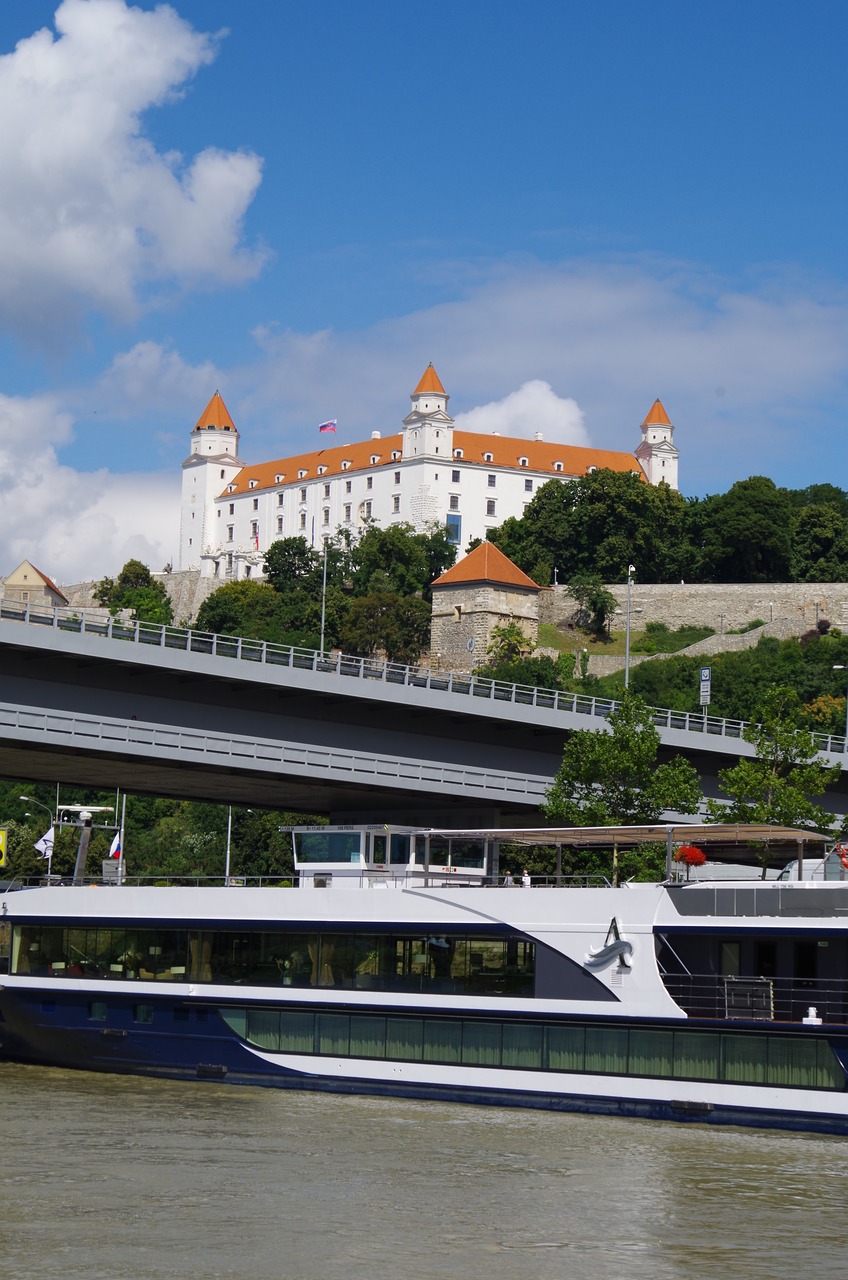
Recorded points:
469,644
4,835
706,680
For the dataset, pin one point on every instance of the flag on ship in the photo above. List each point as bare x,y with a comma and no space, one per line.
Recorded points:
329,426
115,849
45,844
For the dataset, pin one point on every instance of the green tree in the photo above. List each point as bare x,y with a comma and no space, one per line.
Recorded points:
292,565
244,608
819,544
398,626
593,600
611,778
138,592
776,786
509,642
747,533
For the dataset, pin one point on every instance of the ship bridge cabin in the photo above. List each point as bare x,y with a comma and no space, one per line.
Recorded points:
387,855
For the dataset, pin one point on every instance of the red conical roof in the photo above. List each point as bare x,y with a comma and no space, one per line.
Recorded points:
657,416
487,563
430,382
216,414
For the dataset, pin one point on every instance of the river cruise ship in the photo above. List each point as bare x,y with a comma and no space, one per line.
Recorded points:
405,962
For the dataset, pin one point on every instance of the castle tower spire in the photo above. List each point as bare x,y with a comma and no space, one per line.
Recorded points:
428,427
657,453
210,466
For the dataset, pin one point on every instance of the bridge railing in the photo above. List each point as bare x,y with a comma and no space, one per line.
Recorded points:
340,664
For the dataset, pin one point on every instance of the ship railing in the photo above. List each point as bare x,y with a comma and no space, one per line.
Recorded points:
334,663
759,999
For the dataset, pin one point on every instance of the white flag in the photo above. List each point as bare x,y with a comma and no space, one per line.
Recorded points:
45,844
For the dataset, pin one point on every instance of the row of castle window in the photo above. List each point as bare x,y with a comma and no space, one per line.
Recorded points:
491,481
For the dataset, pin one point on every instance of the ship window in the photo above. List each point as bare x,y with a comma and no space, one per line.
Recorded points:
97,1010
142,1013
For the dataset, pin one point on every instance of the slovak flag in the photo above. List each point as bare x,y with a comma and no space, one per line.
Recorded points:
115,850
329,426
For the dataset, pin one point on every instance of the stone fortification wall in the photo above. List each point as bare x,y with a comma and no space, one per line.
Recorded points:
725,607
469,611
186,589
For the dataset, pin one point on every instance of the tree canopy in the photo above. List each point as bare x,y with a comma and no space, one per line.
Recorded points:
137,591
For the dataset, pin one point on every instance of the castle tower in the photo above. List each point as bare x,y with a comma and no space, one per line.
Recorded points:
212,463
657,452
428,427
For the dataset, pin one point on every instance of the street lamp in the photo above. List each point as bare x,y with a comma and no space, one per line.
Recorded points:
52,835
631,569
840,666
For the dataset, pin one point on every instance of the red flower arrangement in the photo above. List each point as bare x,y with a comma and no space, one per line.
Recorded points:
691,855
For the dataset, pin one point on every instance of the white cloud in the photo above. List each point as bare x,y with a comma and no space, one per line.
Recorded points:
76,525
533,408
91,214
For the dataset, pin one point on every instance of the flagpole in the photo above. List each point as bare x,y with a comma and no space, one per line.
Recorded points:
324,598
121,868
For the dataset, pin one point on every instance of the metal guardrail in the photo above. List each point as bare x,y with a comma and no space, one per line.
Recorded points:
339,664
759,999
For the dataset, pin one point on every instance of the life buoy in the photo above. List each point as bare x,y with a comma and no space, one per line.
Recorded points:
842,850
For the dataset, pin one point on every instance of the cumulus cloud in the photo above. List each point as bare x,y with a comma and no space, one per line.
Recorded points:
533,408
91,214
75,525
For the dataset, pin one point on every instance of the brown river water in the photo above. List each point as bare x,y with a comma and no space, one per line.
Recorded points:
118,1178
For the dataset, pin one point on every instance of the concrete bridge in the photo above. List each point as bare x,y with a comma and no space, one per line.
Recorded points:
168,711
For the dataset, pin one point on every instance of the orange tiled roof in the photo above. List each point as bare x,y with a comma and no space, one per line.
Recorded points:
657,416
486,563
216,414
430,382
482,450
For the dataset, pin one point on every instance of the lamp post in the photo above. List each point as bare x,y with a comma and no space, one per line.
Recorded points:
631,569
229,843
49,854
324,598
840,666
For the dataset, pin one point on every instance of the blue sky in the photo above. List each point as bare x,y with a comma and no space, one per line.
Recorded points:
569,207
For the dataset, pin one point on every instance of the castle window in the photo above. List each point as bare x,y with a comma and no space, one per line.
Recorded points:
397,477
557,466
345,465
528,486
454,477
326,516
232,508
366,510
490,507
375,458
492,481
369,483
321,470
457,453
231,488
223,473
396,503
396,454
254,529
279,479
279,524
255,504
303,519
326,491
523,462
488,457
589,470
252,484
230,532
301,473
347,486
454,502
303,495
347,513
280,499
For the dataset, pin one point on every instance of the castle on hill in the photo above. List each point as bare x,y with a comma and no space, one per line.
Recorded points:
428,472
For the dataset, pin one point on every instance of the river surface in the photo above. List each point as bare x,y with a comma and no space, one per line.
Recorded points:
131,1179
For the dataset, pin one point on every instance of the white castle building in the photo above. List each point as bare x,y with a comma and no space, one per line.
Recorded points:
428,472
